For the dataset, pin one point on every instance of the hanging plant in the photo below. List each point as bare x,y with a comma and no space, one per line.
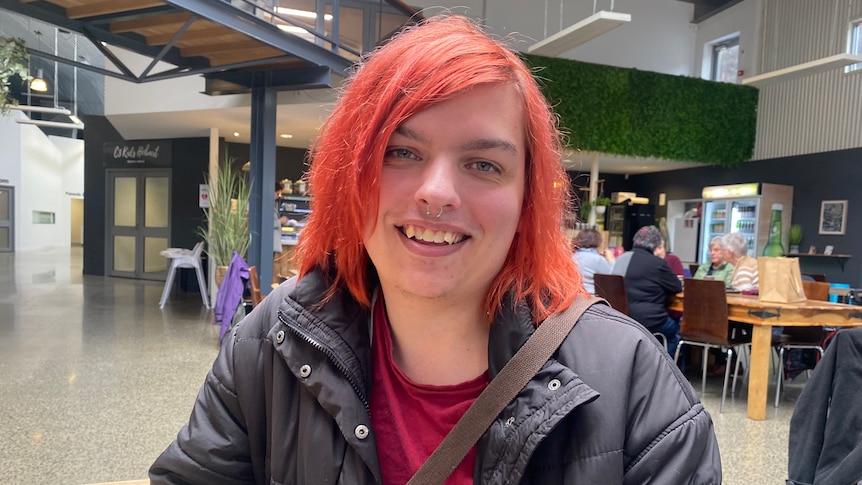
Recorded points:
13,60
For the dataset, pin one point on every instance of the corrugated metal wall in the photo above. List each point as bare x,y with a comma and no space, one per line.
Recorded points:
817,113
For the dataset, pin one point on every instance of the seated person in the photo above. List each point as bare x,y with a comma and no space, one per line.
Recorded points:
744,275
649,283
675,264
717,268
588,259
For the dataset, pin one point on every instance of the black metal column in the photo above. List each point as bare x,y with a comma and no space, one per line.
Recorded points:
261,212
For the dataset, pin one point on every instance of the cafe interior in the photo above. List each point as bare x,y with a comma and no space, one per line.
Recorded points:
702,117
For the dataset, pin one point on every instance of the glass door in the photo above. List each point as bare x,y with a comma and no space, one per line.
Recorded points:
7,219
715,223
743,219
138,223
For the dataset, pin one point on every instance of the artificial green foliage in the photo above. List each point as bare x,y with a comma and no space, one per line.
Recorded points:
13,60
796,234
226,228
647,114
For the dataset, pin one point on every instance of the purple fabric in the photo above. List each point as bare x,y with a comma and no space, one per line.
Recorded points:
230,293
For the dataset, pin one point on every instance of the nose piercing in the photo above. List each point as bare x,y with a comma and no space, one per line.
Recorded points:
440,213
428,210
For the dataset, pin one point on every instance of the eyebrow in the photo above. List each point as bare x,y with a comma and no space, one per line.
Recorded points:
471,145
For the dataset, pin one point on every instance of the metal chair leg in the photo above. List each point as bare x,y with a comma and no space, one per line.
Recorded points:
726,378
779,380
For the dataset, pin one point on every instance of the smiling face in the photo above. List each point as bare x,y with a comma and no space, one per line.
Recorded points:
451,192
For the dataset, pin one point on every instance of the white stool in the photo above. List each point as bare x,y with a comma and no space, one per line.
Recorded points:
184,258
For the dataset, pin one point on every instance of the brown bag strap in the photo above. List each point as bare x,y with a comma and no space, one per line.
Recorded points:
500,391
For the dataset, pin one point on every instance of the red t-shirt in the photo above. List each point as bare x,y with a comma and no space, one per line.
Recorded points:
411,419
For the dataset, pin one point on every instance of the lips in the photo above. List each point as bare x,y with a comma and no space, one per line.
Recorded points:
419,233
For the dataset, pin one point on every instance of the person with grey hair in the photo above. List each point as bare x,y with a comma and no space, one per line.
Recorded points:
717,268
744,274
649,283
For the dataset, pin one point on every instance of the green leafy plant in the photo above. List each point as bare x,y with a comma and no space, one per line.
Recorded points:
586,207
13,60
795,234
603,201
647,114
226,228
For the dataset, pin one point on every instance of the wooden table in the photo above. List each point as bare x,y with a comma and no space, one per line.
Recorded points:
763,316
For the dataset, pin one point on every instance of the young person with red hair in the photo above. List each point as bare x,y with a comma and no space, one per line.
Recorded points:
433,251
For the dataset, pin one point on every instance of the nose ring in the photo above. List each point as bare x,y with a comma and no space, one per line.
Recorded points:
428,211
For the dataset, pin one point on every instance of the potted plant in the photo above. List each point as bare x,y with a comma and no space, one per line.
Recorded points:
602,204
795,237
226,228
13,60
584,210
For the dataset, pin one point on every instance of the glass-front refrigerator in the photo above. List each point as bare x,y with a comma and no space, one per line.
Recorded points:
740,208
743,219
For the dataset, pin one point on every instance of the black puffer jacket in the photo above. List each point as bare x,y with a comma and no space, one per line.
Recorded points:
287,403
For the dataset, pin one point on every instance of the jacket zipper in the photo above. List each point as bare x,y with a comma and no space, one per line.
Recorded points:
331,355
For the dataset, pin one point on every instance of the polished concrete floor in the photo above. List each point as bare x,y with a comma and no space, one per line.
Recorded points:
96,379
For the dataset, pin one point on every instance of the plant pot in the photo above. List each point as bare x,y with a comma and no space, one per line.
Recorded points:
794,249
600,209
220,273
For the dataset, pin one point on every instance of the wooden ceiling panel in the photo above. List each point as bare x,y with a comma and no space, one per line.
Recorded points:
166,21
107,7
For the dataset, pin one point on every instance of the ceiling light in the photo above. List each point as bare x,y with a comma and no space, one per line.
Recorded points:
51,124
802,70
286,135
579,33
301,13
38,83
236,133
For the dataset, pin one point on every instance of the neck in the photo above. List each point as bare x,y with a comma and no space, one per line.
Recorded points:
438,341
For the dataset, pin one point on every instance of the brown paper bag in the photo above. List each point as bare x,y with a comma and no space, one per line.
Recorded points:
780,280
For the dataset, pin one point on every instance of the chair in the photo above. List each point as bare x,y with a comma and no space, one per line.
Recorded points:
254,282
692,268
815,277
612,287
185,258
810,338
705,324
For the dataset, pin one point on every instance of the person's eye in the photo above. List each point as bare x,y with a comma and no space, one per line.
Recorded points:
485,166
400,153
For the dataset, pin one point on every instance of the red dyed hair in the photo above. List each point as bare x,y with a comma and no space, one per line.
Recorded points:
425,64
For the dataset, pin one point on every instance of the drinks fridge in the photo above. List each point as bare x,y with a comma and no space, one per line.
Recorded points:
744,208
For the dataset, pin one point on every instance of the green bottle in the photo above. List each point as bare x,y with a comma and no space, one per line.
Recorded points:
773,246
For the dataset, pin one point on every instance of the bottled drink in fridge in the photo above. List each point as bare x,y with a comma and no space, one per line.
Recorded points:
774,247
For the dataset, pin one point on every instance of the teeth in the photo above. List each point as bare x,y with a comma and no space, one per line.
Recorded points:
424,234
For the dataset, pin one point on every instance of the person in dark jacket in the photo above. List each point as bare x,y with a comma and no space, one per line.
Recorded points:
826,428
649,283
432,253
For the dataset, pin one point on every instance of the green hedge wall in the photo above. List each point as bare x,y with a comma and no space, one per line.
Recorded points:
640,113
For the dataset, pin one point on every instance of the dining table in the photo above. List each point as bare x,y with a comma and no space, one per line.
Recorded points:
763,316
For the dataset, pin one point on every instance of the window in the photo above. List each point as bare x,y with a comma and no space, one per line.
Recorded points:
725,60
855,43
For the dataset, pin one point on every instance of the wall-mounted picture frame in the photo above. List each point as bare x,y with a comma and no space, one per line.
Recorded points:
833,217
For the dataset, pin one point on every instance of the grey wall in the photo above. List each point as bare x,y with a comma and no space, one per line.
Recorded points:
814,177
